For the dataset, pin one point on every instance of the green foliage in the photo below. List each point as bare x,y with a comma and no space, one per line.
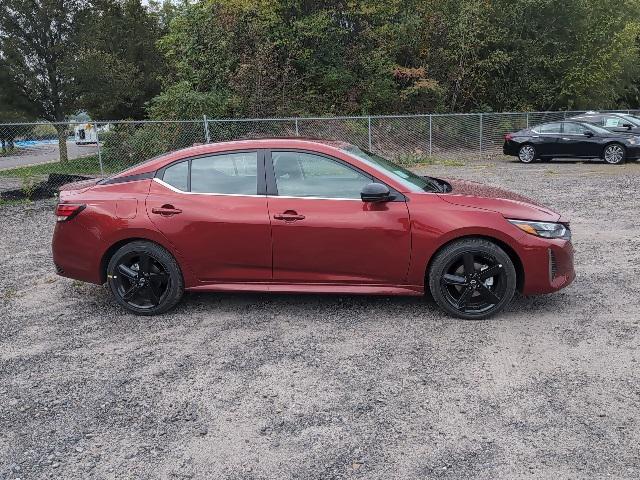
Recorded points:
79,166
128,144
117,66
289,57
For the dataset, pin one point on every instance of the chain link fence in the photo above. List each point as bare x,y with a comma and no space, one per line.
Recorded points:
32,154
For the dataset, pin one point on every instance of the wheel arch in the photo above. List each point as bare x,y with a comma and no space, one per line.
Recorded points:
612,142
515,258
109,252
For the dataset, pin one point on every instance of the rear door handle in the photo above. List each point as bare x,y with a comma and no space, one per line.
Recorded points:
288,216
167,210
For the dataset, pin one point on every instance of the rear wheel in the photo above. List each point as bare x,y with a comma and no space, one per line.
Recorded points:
527,153
472,279
614,154
145,278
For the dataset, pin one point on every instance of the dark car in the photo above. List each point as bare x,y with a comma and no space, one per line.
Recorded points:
301,216
614,122
571,139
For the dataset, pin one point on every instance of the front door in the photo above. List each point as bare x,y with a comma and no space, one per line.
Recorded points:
574,143
209,209
324,233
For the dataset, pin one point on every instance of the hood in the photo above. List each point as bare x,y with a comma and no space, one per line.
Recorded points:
509,204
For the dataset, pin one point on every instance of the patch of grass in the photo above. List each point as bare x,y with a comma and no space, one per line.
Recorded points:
8,203
79,166
417,160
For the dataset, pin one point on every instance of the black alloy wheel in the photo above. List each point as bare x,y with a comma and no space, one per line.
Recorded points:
472,279
145,278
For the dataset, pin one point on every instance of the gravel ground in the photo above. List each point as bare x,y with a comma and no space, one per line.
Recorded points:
321,387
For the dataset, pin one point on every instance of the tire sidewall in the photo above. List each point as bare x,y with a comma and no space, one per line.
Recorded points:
527,145
476,246
160,255
624,153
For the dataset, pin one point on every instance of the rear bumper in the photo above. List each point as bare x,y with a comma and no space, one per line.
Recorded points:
548,266
76,251
510,148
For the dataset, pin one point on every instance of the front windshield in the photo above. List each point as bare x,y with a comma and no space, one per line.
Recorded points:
633,120
402,175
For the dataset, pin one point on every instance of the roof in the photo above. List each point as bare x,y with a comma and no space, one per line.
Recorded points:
316,144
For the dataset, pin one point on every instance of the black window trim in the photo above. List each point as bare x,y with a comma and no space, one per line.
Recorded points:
272,188
260,173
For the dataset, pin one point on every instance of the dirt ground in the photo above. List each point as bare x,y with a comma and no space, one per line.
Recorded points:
325,387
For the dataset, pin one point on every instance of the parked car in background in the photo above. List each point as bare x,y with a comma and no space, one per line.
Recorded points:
571,139
302,216
614,122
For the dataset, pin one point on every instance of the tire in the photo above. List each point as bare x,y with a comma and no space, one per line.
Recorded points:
614,154
462,288
527,153
145,278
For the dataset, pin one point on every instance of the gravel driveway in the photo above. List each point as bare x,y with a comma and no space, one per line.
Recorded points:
321,387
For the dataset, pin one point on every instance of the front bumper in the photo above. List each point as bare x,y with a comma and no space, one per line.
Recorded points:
548,265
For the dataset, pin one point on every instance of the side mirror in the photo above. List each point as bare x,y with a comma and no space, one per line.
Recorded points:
375,193
628,126
588,133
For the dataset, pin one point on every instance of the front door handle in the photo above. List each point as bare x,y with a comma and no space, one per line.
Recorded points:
288,216
166,210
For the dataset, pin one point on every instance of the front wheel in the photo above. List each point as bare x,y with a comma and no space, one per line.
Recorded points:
472,279
614,154
527,153
145,278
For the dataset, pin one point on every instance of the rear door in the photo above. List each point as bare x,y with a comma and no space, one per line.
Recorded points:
324,233
209,208
548,138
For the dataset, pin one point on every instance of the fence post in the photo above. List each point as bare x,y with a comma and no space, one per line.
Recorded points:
297,131
206,129
369,122
527,119
99,152
430,137
480,133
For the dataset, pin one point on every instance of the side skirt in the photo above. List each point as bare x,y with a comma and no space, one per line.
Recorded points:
413,290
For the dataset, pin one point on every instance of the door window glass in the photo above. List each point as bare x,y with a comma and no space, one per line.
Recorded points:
308,175
613,122
177,176
231,173
549,128
574,129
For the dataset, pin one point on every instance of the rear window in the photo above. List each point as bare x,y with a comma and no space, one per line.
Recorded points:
549,128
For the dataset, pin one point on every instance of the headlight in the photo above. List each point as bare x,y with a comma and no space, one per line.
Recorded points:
544,229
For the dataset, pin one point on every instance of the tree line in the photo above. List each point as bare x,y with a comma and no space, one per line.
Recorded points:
120,59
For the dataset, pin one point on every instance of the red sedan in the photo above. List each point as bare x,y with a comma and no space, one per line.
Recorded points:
295,215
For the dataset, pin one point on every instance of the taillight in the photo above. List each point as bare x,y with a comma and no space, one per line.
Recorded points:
508,137
66,211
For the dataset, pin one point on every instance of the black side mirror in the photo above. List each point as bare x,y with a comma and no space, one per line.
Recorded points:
375,193
628,126
588,133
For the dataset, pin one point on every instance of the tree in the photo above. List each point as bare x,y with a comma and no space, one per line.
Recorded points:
117,66
34,48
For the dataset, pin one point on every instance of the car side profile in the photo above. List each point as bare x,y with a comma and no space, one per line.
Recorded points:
612,121
571,139
302,216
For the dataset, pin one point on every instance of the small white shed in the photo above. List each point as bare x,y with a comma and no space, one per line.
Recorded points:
85,134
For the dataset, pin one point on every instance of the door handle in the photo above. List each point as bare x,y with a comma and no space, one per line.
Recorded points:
166,210
288,216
